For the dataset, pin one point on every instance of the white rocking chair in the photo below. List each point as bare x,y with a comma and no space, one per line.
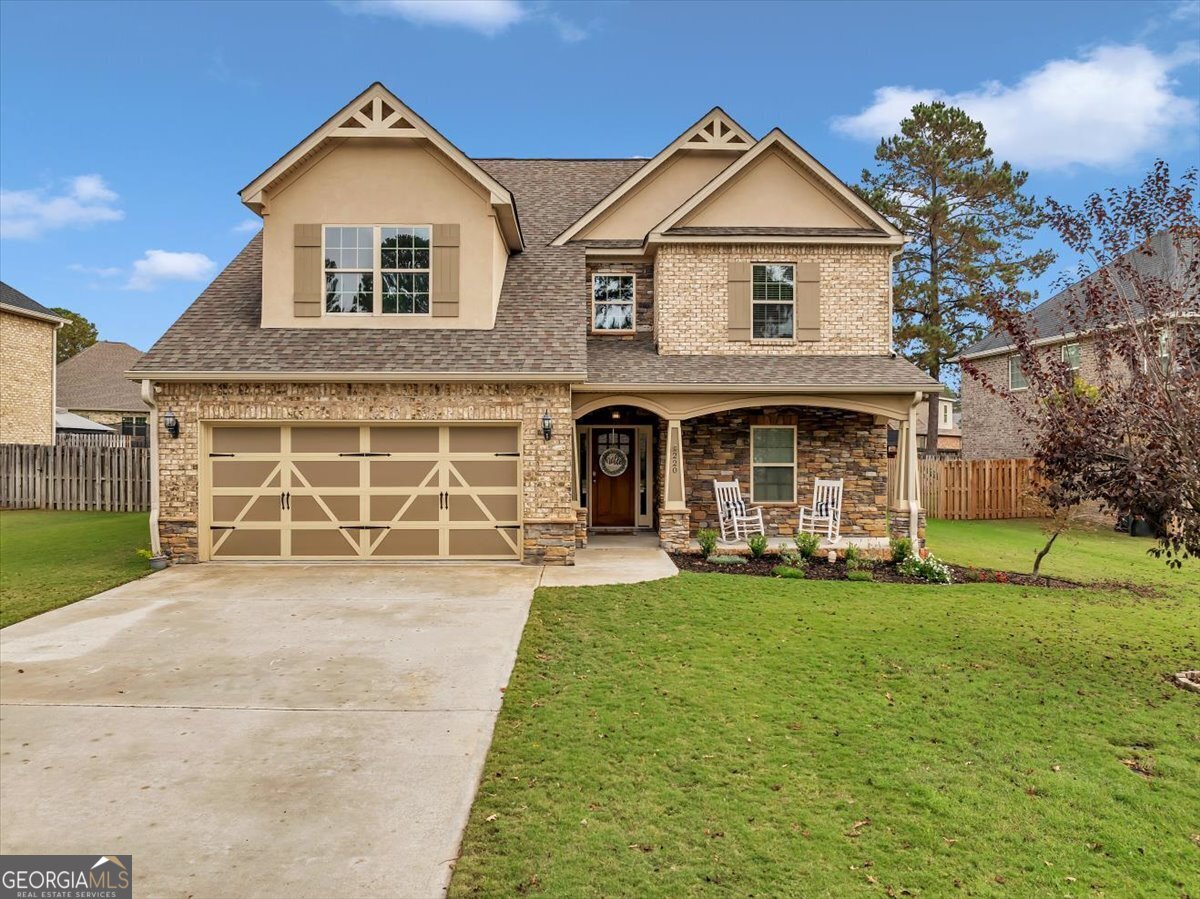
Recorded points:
738,521
825,513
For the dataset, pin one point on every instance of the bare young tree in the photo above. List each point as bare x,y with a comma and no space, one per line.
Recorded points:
1125,432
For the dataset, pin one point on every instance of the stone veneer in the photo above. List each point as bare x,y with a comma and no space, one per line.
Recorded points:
27,376
898,526
692,299
548,504
830,443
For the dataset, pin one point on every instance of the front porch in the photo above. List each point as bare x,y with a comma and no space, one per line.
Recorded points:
646,463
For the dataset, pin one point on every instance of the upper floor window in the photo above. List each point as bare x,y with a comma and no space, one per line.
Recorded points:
773,296
612,302
1071,356
1016,374
946,409
377,269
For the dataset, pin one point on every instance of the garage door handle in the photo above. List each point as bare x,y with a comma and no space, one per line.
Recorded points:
221,527
364,454
506,454
220,455
508,526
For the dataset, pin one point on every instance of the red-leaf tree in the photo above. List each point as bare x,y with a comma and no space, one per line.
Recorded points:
1125,432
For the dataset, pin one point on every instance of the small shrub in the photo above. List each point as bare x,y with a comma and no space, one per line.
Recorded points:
859,574
757,544
853,557
792,559
902,549
726,560
788,571
928,568
144,554
807,544
708,541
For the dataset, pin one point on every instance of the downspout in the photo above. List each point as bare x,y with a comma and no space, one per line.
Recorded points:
148,398
54,383
912,476
892,300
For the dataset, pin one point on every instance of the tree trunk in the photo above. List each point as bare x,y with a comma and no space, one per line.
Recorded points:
1037,561
933,416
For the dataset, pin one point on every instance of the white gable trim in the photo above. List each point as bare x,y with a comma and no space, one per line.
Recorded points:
775,139
378,113
715,130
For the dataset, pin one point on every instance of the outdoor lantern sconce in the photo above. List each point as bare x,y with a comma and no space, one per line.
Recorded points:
171,423
547,426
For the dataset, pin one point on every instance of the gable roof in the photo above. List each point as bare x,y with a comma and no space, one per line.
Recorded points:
94,379
15,301
1170,257
716,130
540,331
69,421
777,140
378,113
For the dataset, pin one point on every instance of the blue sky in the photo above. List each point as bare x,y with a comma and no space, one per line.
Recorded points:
125,138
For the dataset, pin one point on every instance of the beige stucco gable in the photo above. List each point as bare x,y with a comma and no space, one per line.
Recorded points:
776,191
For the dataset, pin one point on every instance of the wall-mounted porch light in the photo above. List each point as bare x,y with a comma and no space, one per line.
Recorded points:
547,426
171,423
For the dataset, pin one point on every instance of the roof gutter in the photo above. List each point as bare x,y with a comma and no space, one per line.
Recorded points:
597,387
55,320
311,377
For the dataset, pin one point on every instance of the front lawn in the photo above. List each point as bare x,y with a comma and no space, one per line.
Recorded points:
50,559
727,735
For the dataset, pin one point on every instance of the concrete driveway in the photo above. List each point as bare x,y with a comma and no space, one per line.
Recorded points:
261,730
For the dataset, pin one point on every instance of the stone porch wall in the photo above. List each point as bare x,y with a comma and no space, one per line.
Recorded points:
548,501
830,443
691,299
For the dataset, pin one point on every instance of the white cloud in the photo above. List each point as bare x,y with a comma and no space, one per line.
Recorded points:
249,226
163,265
485,16
100,271
1105,108
489,17
85,200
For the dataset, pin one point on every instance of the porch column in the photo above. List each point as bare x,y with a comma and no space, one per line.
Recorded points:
907,499
675,499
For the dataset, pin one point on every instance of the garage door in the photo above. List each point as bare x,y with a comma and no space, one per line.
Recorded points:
364,492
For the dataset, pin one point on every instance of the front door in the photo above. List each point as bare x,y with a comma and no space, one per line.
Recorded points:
613,474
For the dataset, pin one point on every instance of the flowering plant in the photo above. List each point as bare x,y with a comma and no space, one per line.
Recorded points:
928,568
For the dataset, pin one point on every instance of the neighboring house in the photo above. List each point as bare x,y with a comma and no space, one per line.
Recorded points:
69,423
92,383
991,429
427,356
28,338
950,437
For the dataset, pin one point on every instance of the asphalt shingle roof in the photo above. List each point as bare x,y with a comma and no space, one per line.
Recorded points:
538,324
10,296
629,361
94,379
1052,318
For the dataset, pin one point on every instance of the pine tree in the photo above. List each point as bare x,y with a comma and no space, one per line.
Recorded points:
968,222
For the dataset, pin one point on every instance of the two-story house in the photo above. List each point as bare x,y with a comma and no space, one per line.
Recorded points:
428,356
28,350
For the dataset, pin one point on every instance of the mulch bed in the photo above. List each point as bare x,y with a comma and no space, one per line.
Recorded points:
883,572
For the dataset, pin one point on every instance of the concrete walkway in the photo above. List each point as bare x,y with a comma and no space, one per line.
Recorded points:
613,559
261,730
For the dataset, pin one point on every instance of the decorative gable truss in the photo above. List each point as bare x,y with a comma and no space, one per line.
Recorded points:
378,113
717,131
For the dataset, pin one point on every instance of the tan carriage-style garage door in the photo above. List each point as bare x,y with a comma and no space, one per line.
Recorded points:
363,492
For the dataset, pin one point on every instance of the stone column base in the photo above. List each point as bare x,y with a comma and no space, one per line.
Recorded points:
899,526
550,542
675,530
180,539
581,534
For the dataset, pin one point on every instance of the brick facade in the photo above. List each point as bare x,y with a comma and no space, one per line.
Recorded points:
26,379
692,306
548,502
830,443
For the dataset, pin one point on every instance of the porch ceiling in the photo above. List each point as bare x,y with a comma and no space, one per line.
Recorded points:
684,405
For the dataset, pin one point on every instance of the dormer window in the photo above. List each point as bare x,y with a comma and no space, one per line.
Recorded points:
377,270
613,303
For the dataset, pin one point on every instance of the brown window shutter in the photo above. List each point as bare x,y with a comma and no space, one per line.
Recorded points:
739,300
308,272
808,301
444,290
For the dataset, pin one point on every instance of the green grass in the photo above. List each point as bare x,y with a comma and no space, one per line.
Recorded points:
51,559
1080,555
718,735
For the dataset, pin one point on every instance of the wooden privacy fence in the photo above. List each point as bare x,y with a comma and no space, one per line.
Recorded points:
975,488
92,478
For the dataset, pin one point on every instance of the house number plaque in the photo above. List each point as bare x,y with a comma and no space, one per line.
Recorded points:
613,462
